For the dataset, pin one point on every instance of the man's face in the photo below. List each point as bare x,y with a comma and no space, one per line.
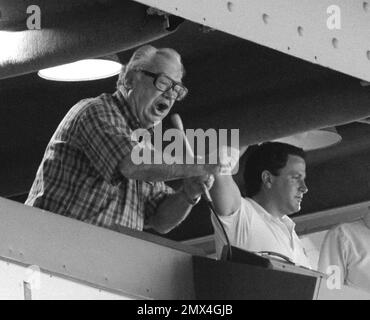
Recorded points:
150,104
289,186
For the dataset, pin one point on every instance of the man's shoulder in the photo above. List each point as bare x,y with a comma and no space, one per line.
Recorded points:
102,104
342,231
255,211
341,227
103,100
349,229
247,208
248,203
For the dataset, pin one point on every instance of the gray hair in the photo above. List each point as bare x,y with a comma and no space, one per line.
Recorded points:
142,58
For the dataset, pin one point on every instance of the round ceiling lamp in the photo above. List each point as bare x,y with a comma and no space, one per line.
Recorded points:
83,70
313,139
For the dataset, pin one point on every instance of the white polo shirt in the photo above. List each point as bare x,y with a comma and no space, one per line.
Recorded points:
347,246
252,228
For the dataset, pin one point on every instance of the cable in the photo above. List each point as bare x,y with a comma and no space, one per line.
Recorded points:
207,198
177,122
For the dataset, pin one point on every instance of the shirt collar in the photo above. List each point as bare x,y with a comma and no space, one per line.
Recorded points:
124,107
285,219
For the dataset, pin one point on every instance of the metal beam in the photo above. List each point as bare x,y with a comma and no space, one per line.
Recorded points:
324,220
336,36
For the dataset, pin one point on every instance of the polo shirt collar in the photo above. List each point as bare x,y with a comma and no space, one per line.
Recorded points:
290,224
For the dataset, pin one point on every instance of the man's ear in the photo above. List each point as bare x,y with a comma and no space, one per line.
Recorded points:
129,79
267,178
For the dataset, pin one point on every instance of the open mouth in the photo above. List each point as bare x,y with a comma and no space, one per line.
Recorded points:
161,107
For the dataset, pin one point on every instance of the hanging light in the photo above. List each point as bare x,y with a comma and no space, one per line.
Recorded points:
313,139
84,70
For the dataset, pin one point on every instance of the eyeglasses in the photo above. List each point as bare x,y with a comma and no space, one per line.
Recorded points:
165,84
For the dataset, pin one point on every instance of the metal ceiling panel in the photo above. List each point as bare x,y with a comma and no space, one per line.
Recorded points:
334,36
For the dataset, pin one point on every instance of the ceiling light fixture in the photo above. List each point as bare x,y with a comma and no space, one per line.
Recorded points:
84,70
313,139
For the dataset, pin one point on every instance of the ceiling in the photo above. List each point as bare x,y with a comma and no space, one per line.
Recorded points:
233,83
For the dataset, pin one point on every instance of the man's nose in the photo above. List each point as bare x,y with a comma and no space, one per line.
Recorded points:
170,94
303,187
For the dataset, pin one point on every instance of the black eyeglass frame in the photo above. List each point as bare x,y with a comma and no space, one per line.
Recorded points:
155,77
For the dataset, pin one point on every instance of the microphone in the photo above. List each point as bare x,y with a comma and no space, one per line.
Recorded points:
177,123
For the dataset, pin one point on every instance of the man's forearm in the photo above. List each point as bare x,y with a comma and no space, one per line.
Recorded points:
225,195
163,172
171,212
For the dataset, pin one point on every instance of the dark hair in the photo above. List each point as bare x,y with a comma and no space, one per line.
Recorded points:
271,156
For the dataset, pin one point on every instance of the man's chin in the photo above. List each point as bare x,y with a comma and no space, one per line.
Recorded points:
148,124
294,209
152,122
297,209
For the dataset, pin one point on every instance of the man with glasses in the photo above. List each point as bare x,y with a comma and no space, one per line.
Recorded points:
87,172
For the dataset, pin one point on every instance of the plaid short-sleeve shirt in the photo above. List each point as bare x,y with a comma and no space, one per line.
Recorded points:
79,175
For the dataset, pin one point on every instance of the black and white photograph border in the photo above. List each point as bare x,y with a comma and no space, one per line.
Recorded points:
286,71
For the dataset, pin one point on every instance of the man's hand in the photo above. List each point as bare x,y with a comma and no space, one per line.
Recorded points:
176,207
193,187
229,158
227,161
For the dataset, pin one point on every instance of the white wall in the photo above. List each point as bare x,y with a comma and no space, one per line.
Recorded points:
19,282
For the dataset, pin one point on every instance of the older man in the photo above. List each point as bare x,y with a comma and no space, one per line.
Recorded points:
275,183
87,172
